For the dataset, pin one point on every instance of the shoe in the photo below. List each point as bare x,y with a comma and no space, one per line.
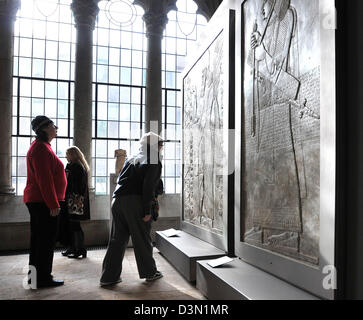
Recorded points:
157,275
67,252
77,254
103,284
50,283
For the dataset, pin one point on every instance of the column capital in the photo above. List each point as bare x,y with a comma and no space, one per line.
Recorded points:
85,12
155,16
9,8
155,23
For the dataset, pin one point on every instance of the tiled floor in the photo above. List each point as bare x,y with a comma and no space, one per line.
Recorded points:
82,280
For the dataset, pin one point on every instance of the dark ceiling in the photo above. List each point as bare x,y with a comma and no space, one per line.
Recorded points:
207,7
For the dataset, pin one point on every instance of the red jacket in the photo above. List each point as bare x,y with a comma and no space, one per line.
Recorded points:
46,179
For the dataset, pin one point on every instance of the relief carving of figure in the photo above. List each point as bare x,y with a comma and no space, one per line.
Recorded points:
276,195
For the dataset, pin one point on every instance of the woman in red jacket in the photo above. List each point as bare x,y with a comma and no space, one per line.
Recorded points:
45,188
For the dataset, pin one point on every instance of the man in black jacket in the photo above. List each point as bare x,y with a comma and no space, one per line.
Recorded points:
131,209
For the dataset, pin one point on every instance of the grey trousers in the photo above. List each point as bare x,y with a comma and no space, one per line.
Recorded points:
127,212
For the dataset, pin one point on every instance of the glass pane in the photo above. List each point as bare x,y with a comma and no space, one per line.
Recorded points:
102,92
51,89
63,70
62,108
125,145
62,146
102,38
102,111
102,73
51,69
101,148
52,50
64,51
137,59
125,112
113,94
169,150
125,130
25,67
126,39
135,113
62,90
66,33
38,68
136,95
115,56
125,58
25,107
170,115
102,55
135,131
52,31
115,38
138,41
21,185
62,127
114,76
51,108
39,29
38,48
113,111
124,94
137,77
169,168
37,107
25,47
125,76
23,145
102,129
101,167
112,129
170,79
112,146
38,88
169,185
101,185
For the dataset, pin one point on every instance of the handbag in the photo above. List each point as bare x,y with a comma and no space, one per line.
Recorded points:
75,204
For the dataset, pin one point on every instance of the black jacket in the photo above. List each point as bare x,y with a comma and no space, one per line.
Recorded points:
139,177
77,182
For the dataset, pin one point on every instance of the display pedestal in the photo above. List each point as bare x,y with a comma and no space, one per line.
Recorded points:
184,250
238,280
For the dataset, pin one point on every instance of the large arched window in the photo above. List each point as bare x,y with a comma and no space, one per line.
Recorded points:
120,48
44,55
44,63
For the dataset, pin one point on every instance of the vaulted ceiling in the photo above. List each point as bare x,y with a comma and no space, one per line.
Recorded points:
207,7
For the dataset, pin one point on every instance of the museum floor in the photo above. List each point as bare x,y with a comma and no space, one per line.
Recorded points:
82,280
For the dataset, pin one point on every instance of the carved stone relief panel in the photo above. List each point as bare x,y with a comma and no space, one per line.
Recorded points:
281,142
203,139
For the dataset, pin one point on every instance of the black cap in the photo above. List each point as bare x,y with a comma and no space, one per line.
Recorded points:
40,122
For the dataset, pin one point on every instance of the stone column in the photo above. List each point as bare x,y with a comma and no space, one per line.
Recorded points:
85,13
155,18
8,10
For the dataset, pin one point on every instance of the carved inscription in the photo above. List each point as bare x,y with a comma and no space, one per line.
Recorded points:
203,140
282,128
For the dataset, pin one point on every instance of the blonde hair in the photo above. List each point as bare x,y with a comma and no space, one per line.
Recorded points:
76,155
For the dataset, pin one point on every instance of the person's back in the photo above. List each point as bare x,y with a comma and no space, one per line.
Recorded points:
131,208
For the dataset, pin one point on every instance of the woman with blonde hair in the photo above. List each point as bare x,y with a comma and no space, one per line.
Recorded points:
76,207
